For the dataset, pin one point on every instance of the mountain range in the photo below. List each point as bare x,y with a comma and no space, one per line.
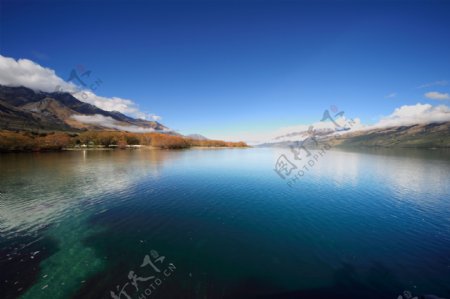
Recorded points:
431,135
25,109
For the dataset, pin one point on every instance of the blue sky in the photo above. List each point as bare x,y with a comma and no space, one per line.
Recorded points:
219,68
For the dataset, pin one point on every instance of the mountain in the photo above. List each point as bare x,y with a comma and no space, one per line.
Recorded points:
432,135
22,108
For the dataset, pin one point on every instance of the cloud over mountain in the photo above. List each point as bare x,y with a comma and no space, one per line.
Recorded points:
415,114
109,122
402,116
24,72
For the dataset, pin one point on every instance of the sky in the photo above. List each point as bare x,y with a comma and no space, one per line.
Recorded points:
237,69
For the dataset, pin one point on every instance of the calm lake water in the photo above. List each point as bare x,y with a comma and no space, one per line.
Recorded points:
220,223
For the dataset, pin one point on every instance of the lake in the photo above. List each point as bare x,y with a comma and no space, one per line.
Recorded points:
221,223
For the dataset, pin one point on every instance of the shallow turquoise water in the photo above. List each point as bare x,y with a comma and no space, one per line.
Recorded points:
356,225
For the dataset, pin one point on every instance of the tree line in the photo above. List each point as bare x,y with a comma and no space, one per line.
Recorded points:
33,141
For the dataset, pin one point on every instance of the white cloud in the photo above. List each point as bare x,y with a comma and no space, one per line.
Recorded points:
109,104
155,117
435,95
147,116
436,83
402,116
108,122
284,133
24,72
391,95
414,114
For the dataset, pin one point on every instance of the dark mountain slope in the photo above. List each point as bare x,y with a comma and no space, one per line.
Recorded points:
25,109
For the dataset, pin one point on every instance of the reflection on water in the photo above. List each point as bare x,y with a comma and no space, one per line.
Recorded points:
41,188
59,191
366,224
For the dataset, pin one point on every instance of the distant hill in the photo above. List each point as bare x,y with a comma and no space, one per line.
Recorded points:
22,108
197,137
433,135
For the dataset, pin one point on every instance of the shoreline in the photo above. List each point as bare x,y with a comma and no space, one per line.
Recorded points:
142,147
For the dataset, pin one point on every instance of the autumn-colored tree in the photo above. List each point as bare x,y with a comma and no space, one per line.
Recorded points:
27,141
16,141
132,139
145,139
169,141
